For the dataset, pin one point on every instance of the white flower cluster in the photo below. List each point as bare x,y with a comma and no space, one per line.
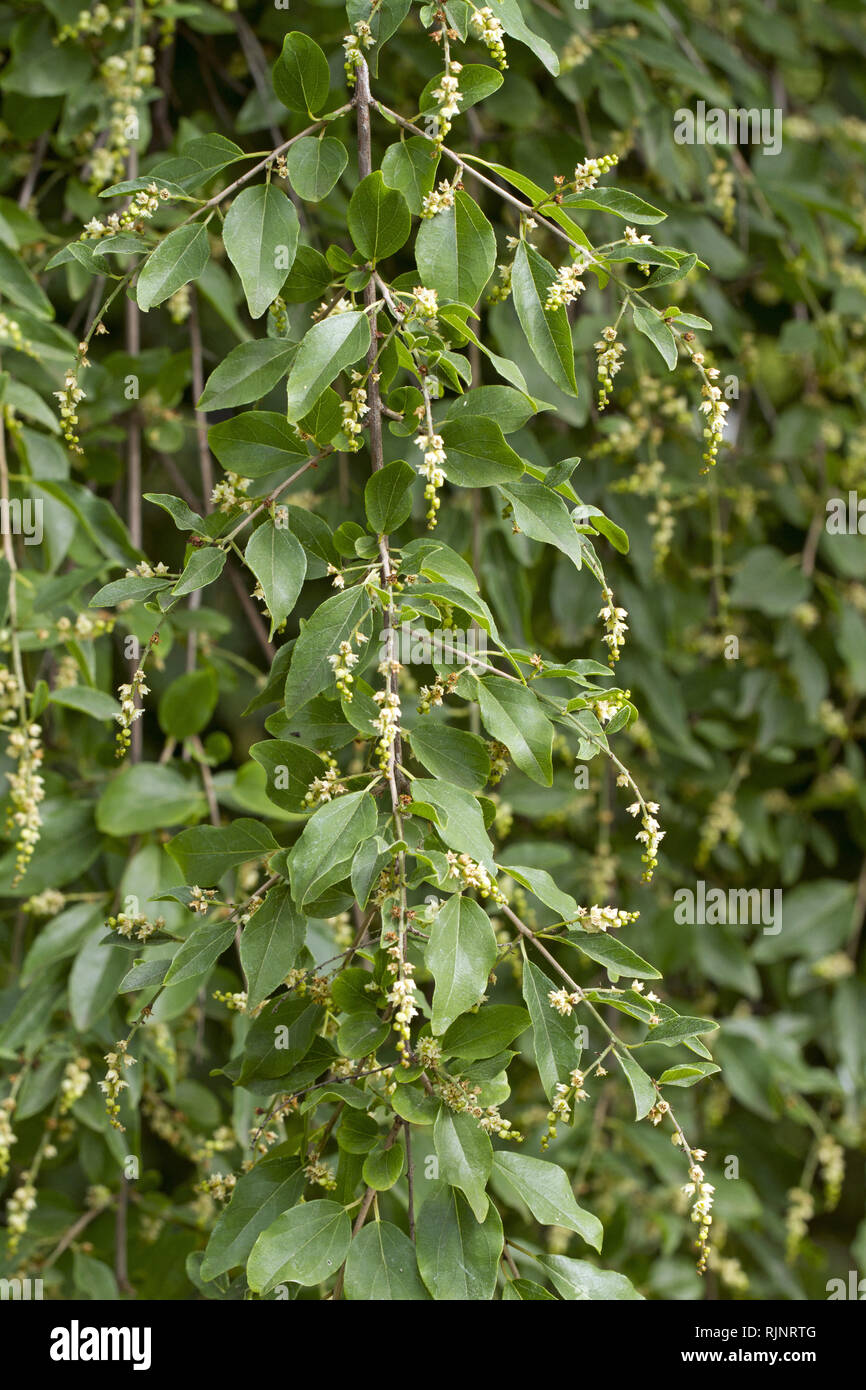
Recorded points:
10,332
650,835
69,397
220,1186
200,900
567,285
714,408
425,303
473,875
92,21
47,903
144,204
615,626
597,919
401,995
702,1192
488,29
353,411
129,711
27,790
341,663
323,789
353,47
126,78
560,1108
563,1000
608,363
437,200
135,924
145,570
433,448
113,1084
448,96
7,1135
387,722
18,1209
229,493
76,1079
588,173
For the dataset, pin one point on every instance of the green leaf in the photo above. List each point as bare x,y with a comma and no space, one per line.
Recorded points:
280,1038
524,1290
547,331
202,568
333,622
361,1034
315,165
388,496
475,1036
408,166
543,516
21,287
460,954
477,453
301,77
133,587
181,257
279,562
94,980
451,754
329,346
648,322
147,796
616,200
383,1166
201,951
259,1197
554,1038
458,818
84,700
677,1029
184,518
614,954
539,882
511,17
186,706
249,372
577,1280
303,1246
271,943
545,1189
641,1085
475,82
381,1265
378,218
458,1258
687,1073
511,409
465,1157
206,852
260,234
455,251
511,713
328,840
289,768
256,443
